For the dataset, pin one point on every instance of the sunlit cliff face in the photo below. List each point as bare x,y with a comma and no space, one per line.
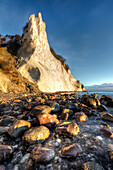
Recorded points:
40,65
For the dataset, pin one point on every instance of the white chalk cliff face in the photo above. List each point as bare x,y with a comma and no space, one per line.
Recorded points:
39,65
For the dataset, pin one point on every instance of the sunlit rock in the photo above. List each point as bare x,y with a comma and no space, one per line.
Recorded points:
18,128
81,116
36,134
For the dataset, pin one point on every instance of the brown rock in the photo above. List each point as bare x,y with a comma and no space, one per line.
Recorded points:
71,150
105,132
67,128
5,152
106,116
73,128
18,128
36,134
42,155
41,109
46,118
81,116
91,166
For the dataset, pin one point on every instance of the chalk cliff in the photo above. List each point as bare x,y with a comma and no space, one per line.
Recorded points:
40,64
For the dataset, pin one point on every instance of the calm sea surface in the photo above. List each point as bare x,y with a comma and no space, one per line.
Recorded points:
99,93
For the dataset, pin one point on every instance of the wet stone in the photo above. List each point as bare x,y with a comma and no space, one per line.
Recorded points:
67,128
40,109
92,166
46,118
81,116
18,128
6,120
106,116
5,152
36,134
71,150
105,132
42,155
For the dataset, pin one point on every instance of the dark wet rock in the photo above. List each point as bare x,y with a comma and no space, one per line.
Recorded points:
89,101
44,118
105,132
71,150
102,108
42,155
3,129
108,100
6,120
40,109
73,106
91,166
18,128
36,134
81,116
106,116
67,128
86,111
5,152
17,158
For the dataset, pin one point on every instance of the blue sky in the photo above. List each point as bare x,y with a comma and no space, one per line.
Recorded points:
79,30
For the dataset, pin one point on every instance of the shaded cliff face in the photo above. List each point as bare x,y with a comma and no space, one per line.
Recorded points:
40,64
11,81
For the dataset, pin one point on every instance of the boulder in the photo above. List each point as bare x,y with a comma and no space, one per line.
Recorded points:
71,150
18,128
81,116
105,132
106,116
42,155
40,109
70,128
36,135
91,166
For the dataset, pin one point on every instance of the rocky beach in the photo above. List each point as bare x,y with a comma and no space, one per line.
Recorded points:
56,131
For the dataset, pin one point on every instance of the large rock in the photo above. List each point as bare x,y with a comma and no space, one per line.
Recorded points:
91,166
5,152
46,118
36,134
71,150
18,128
40,109
106,116
40,64
42,155
67,128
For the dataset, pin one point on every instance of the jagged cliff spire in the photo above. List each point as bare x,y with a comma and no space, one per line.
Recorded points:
40,65
39,16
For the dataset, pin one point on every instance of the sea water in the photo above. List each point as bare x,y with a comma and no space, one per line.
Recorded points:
99,93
